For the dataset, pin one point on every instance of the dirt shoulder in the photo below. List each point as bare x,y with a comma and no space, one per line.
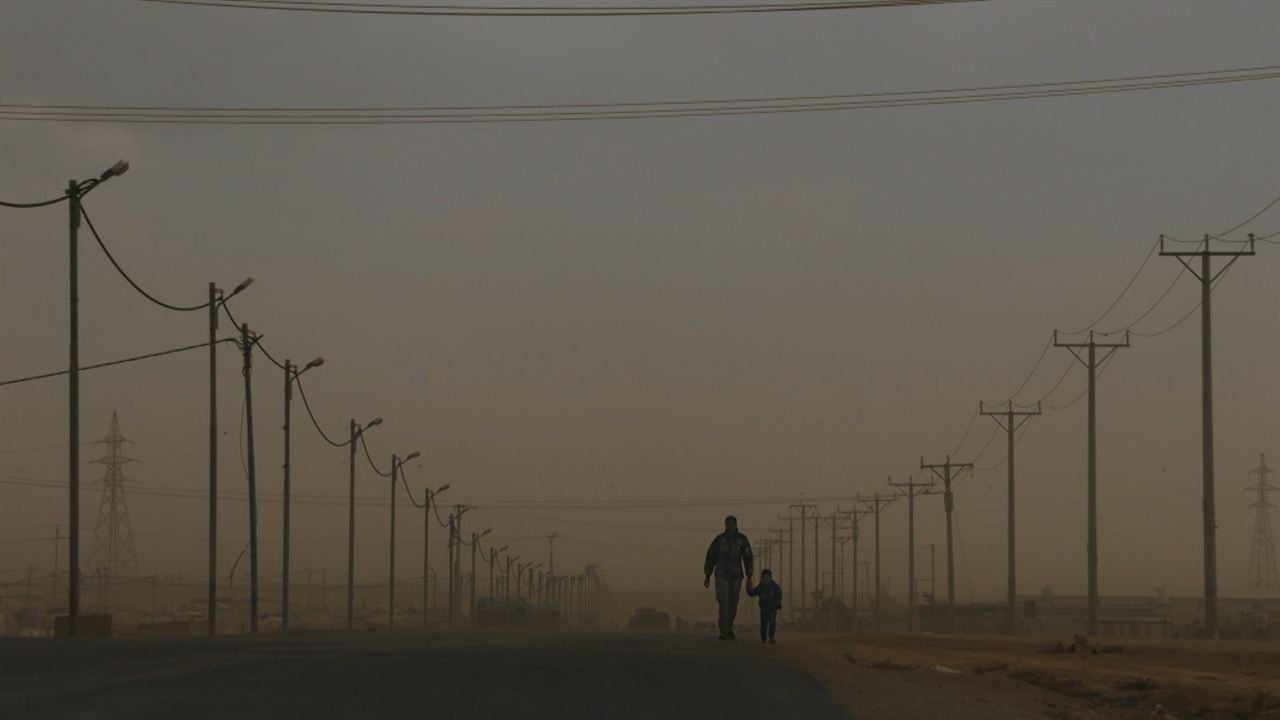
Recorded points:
928,676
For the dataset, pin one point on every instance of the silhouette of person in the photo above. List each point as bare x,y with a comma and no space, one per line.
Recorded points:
728,558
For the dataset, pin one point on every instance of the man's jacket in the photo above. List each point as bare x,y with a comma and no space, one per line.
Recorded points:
729,556
770,594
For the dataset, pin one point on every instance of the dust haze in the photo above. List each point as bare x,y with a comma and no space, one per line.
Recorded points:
620,332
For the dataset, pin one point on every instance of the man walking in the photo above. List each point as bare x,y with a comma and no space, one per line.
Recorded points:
729,558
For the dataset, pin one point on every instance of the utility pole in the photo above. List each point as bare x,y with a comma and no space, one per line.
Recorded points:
57,552
911,489
73,397
853,515
947,472
817,572
1207,277
215,297
493,558
791,557
75,190
291,373
551,551
391,563
1091,360
452,526
506,582
475,547
835,592
777,570
288,417
356,432
456,584
803,511
426,548
475,543
247,341
1010,420
875,503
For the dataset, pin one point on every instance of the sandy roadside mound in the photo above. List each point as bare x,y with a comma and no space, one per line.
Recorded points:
928,676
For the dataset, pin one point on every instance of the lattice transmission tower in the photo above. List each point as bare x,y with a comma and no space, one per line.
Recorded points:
113,551
1262,555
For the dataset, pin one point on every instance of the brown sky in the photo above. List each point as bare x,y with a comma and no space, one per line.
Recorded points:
667,310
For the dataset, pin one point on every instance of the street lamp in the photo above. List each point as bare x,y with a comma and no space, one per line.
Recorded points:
493,556
76,190
391,599
356,432
475,545
529,581
291,373
426,555
216,298
506,581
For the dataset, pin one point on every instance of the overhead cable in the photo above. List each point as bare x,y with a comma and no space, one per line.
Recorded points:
122,361
168,306
418,115
349,7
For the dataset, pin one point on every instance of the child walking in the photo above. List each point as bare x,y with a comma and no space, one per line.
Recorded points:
770,594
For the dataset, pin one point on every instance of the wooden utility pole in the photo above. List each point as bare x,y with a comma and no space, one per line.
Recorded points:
1207,276
1010,420
875,503
1088,355
804,509
911,489
947,472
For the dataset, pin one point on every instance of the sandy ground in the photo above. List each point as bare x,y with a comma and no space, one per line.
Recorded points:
903,677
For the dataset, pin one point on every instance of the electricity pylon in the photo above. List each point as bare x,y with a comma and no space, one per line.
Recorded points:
113,550
1262,555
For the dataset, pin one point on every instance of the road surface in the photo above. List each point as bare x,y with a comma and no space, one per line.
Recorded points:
379,675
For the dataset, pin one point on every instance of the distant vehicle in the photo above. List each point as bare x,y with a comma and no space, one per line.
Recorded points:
649,619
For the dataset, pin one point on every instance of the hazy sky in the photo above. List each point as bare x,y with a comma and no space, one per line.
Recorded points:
670,310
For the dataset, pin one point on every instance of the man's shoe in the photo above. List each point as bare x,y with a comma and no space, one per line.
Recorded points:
725,636
732,636
772,641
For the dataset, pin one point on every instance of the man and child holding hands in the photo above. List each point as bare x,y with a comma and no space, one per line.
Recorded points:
729,559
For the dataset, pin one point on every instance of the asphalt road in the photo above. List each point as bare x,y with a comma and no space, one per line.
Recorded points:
377,675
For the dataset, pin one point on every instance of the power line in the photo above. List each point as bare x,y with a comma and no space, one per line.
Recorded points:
368,456
307,404
122,361
42,203
179,308
407,491
419,115
257,340
965,436
1252,217
433,9
1150,253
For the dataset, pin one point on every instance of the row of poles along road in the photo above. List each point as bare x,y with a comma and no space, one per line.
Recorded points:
576,593
1092,351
